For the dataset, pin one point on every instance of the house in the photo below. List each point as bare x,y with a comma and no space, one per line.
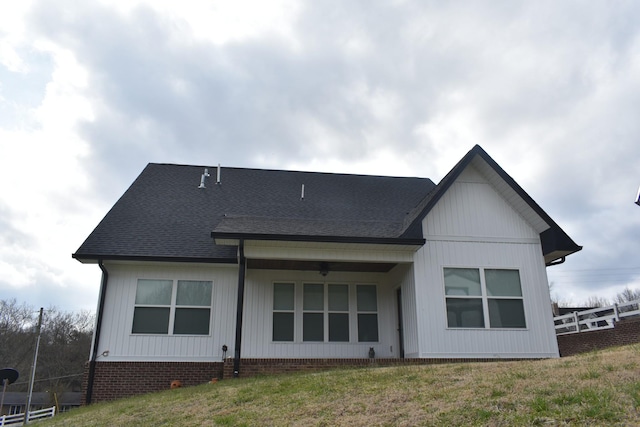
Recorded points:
15,402
219,272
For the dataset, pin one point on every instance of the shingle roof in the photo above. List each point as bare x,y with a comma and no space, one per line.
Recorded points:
164,215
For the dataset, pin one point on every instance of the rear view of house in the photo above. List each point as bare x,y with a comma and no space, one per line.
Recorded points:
211,272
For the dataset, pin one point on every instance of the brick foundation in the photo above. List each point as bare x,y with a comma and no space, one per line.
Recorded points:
627,331
115,380
256,367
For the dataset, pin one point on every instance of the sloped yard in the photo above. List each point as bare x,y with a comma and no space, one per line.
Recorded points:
599,388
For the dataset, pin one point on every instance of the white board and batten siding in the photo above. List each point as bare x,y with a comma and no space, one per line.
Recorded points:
117,338
472,226
404,275
257,339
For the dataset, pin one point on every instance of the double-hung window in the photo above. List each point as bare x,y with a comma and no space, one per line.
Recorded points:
338,313
335,312
329,312
483,298
283,311
313,312
367,313
182,307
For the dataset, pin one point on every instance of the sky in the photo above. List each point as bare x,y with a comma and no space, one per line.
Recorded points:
90,92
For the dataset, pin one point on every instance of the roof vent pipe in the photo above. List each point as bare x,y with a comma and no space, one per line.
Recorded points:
302,193
204,175
218,175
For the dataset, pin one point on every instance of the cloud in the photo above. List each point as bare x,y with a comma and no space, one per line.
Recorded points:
92,92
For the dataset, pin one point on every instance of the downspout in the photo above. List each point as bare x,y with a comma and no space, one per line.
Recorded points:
96,336
239,309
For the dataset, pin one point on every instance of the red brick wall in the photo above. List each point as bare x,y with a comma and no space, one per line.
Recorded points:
253,367
114,380
626,332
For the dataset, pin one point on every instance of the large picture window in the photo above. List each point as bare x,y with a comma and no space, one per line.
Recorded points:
182,307
481,298
329,312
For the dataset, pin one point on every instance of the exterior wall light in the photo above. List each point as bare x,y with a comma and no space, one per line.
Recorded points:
324,269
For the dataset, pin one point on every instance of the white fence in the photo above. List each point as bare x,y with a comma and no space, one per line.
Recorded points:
595,318
18,419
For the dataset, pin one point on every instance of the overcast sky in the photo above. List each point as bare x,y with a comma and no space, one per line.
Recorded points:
90,92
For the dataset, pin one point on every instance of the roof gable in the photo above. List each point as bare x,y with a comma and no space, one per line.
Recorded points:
165,215
555,242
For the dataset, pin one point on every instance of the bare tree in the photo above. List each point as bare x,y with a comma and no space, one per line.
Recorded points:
627,295
595,301
16,337
64,346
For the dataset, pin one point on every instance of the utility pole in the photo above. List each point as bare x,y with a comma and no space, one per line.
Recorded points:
33,368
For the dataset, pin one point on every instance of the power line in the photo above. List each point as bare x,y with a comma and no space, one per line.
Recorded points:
51,378
598,269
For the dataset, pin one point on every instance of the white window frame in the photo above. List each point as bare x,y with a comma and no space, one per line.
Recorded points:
299,311
484,297
173,306
281,310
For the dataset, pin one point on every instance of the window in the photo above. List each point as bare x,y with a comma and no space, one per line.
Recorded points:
479,297
339,313
367,313
326,311
283,311
313,312
182,306
504,293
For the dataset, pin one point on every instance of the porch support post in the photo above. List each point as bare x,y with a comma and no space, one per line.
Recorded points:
239,309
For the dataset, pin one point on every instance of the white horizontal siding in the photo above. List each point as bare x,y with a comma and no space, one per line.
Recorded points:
122,345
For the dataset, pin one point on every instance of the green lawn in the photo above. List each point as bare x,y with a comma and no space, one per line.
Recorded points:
600,388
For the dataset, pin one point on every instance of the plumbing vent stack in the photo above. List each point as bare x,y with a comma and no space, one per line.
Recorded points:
218,175
302,193
204,175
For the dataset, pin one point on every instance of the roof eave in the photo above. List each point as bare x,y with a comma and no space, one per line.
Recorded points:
560,241
95,258
220,236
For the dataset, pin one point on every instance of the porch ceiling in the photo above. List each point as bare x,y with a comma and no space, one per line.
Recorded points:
283,264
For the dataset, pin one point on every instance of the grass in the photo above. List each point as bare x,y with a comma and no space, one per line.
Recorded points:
600,389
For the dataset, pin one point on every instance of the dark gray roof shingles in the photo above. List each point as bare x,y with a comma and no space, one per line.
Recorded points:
165,215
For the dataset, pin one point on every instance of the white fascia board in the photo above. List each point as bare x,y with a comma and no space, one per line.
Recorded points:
328,251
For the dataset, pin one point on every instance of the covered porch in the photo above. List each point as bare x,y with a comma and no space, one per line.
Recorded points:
322,301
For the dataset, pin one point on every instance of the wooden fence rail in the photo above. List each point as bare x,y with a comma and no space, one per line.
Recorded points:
18,419
595,318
